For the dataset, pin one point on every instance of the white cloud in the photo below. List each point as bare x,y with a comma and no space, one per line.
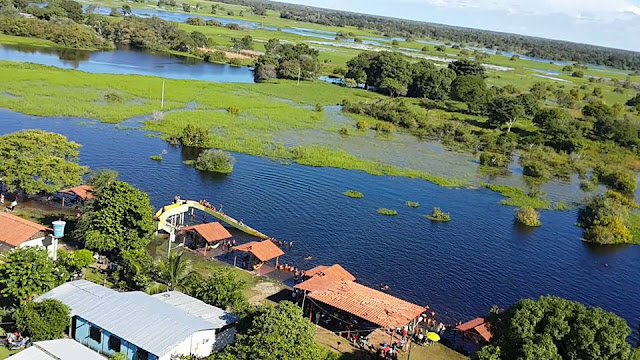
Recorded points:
608,10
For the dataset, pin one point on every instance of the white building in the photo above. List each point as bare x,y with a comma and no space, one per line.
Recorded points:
141,326
16,232
63,349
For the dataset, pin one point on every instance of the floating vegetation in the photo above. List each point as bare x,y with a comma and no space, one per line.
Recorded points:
388,212
214,161
156,157
353,194
413,204
528,216
438,215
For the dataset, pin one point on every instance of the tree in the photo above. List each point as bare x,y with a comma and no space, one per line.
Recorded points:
562,132
215,161
174,270
221,289
277,332
134,269
126,10
393,87
634,101
472,90
555,328
246,43
26,273
467,67
430,82
186,7
36,161
604,220
101,179
44,320
505,110
528,216
194,136
118,219
74,261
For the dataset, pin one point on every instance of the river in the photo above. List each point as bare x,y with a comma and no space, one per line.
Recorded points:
128,61
459,268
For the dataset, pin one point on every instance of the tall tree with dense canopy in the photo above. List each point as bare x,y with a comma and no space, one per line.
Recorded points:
431,82
505,110
467,67
36,161
174,269
44,320
26,273
274,333
555,328
221,289
472,90
118,219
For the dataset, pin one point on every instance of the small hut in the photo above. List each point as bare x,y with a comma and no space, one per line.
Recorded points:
478,330
258,253
205,236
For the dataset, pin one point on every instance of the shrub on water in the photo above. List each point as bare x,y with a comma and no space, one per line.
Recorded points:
413,204
194,136
617,178
215,161
362,125
156,157
537,169
319,107
385,128
344,131
235,62
216,56
528,216
388,212
494,159
438,215
353,194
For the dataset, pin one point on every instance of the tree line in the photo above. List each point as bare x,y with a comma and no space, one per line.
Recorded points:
527,45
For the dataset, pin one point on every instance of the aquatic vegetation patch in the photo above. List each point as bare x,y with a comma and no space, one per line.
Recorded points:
412,204
528,216
387,212
438,215
353,194
518,197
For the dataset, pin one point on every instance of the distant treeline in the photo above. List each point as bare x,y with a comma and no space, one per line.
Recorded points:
531,46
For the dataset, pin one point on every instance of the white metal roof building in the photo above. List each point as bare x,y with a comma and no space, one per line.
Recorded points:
63,349
136,323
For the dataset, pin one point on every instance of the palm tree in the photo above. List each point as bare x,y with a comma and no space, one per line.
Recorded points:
174,270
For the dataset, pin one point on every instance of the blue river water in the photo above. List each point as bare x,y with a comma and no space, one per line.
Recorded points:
129,62
459,268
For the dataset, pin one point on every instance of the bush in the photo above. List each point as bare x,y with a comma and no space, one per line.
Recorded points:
384,127
194,136
156,157
528,216
216,56
536,168
617,178
438,215
413,204
494,159
235,62
215,161
45,320
112,97
362,125
233,110
578,74
318,108
343,131
196,21
604,220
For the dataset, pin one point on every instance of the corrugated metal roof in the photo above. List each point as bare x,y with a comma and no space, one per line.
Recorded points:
216,316
211,231
139,318
15,230
263,250
62,349
369,304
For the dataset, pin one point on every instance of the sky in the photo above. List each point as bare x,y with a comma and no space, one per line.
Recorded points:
611,23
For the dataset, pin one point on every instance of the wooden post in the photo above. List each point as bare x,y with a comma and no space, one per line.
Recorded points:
162,101
235,258
277,261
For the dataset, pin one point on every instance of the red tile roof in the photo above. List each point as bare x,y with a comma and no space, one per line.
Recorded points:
479,325
263,250
83,191
369,304
334,271
15,230
211,231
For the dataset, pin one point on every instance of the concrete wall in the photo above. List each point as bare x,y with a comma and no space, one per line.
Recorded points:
46,242
82,336
200,344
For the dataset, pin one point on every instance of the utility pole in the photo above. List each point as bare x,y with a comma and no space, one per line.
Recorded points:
162,101
299,71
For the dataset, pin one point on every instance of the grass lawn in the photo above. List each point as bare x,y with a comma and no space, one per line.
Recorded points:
5,353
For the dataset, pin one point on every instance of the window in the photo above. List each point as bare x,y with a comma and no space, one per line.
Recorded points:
95,334
142,354
114,343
